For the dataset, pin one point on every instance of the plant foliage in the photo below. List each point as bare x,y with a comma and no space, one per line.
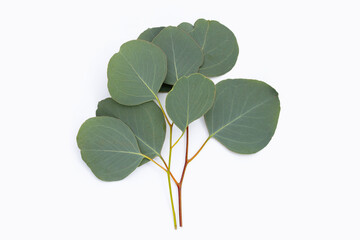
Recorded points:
130,127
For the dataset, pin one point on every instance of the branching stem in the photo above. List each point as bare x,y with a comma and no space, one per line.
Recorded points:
163,111
187,161
179,186
167,167
178,139
172,176
149,158
202,146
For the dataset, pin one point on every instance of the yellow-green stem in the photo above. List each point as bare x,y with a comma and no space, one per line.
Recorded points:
152,160
178,139
163,111
168,167
169,181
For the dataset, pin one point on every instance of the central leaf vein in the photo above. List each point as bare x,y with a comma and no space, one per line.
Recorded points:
137,74
240,116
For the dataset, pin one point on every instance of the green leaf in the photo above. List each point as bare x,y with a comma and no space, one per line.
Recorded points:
165,88
184,55
244,115
109,148
150,33
190,98
136,72
219,47
145,120
187,27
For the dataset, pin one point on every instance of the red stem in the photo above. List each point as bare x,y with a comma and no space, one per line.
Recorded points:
180,207
182,176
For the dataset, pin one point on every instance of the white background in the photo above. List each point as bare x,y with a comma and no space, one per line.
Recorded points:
304,185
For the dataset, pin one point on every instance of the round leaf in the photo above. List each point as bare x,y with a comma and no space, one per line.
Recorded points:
136,72
109,148
187,27
244,115
150,33
184,55
190,98
145,120
219,47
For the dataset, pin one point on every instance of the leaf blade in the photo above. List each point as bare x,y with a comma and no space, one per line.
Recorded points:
136,72
244,115
219,47
150,33
187,27
190,98
145,120
109,148
184,56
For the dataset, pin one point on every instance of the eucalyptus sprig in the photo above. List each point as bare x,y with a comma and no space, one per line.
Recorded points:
130,127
